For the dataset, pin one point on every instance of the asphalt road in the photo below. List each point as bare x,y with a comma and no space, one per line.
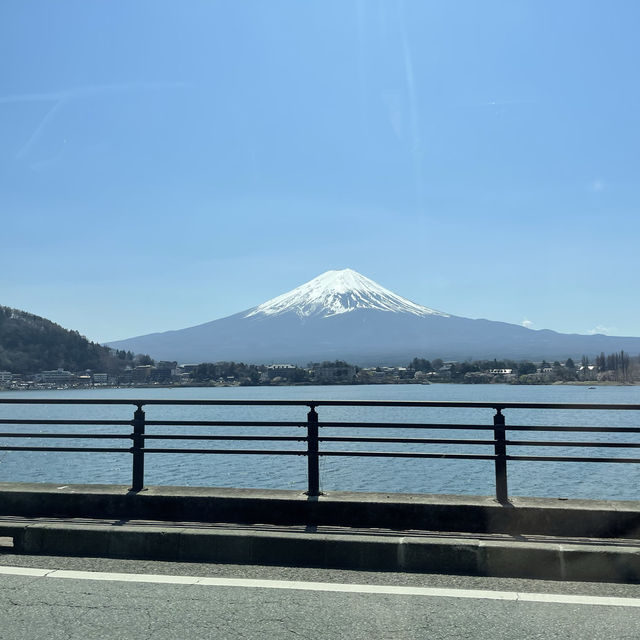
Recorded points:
231,601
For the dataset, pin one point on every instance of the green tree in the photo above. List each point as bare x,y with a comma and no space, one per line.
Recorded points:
420,364
526,368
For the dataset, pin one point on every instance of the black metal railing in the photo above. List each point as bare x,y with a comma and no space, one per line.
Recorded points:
499,438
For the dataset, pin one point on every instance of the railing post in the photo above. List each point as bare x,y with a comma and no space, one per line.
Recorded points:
313,469
138,423
500,449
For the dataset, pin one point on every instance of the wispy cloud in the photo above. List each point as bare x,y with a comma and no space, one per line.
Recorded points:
89,90
361,25
503,103
394,109
414,118
527,323
59,99
31,97
498,106
49,161
42,125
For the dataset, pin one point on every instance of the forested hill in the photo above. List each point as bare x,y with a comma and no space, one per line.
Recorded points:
30,344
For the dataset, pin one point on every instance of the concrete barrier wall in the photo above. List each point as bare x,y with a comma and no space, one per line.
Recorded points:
468,514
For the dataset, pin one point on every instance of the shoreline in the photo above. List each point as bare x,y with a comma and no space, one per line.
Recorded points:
574,383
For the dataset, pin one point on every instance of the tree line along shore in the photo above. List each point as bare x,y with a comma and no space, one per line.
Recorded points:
141,370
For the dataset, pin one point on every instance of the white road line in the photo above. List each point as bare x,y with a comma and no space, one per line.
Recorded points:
479,594
24,571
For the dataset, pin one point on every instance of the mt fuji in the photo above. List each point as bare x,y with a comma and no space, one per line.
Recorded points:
336,292
344,315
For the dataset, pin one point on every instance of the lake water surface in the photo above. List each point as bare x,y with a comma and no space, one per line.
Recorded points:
552,479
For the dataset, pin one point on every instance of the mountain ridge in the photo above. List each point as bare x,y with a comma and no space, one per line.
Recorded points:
30,343
344,315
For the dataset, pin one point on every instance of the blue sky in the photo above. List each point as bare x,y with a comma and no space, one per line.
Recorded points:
165,164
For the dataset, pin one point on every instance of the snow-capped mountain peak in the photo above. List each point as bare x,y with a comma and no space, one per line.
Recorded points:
335,292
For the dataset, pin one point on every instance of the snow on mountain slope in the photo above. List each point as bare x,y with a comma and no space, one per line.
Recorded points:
336,292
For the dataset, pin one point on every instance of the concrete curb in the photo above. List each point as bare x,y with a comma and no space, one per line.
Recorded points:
466,556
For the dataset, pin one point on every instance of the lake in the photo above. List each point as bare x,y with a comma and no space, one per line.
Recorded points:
550,479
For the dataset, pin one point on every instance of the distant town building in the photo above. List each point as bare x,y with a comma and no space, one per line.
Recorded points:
5,377
444,371
164,371
126,376
331,372
100,378
142,373
187,368
55,376
284,371
278,368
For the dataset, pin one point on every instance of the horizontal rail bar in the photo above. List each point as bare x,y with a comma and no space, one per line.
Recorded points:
62,449
223,423
269,452
223,437
380,454
570,429
519,443
573,459
408,454
402,425
473,427
405,440
568,443
77,436
354,425
123,423
156,401
326,403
